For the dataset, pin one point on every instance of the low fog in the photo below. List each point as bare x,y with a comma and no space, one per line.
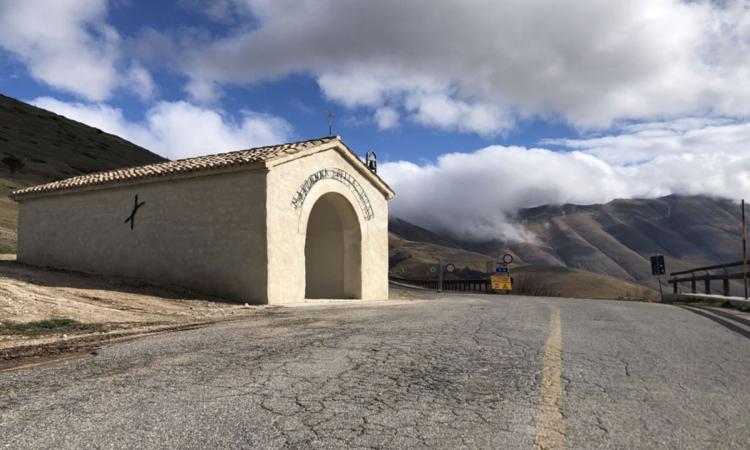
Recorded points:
475,195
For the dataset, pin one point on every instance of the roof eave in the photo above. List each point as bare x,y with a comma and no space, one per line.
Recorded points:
138,181
323,144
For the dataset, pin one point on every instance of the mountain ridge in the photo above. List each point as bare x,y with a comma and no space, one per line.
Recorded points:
52,147
616,238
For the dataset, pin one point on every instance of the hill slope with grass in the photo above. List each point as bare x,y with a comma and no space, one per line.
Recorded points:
411,260
561,281
616,238
38,146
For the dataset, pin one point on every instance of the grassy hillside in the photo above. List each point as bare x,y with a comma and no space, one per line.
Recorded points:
52,147
617,238
566,282
414,260
411,232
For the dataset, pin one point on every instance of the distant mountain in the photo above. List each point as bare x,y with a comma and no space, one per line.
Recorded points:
416,260
410,260
411,232
618,237
52,147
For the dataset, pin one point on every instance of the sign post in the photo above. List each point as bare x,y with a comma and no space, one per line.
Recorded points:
744,248
440,275
658,268
507,259
501,283
501,280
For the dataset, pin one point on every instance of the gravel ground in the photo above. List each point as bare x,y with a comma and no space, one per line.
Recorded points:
30,294
455,371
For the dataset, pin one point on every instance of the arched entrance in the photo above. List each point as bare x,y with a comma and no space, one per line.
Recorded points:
333,249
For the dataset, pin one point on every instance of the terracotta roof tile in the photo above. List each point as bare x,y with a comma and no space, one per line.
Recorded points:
201,163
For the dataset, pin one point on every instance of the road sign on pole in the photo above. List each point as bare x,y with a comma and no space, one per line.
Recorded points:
658,268
744,248
501,282
440,276
657,265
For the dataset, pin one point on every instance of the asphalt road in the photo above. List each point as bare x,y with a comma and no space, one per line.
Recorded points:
465,371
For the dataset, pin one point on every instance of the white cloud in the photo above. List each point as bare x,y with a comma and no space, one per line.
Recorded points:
100,116
222,11
178,129
184,130
141,82
476,194
386,118
442,111
648,141
202,91
487,62
70,46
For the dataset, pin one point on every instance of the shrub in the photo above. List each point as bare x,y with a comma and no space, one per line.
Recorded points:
640,294
13,163
48,326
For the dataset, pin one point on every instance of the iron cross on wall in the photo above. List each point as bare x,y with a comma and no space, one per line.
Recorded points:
131,217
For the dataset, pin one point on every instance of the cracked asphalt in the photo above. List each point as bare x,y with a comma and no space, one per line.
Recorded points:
456,371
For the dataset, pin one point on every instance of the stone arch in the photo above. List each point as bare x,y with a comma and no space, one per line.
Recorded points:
340,177
321,189
333,249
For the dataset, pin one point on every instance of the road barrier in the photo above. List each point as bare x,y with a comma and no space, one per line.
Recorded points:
475,285
706,277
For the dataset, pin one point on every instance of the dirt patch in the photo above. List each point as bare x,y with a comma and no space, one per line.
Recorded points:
46,312
35,354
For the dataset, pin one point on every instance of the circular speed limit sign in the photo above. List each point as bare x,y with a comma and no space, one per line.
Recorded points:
507,258
450,268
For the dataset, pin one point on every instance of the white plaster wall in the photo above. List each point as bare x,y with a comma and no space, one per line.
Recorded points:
206,233
287,227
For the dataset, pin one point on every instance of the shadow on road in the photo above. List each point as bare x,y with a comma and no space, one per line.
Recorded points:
725,323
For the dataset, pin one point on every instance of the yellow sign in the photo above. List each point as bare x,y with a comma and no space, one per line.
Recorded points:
501,282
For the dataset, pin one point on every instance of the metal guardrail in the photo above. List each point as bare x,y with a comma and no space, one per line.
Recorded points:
707,277
469,285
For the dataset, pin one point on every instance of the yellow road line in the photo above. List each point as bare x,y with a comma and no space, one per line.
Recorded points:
550,426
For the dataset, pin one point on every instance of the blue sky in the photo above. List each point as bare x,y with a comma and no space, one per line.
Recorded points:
502,104
297,98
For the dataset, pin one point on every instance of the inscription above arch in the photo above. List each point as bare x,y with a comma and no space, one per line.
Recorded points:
342,177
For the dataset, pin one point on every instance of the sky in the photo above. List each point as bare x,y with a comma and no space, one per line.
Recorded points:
476,108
